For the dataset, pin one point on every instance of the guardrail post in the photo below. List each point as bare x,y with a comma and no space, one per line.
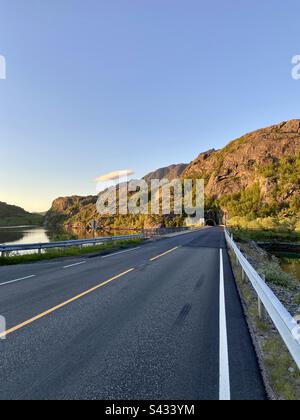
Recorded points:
243,275
261,311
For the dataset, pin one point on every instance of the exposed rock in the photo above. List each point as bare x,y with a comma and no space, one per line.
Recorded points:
66,208
291,127
227,171
236,166
169,173
153,222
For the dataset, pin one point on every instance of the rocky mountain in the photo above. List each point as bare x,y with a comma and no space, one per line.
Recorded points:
74,210
15,216
257,175
169,173
78,211
239,165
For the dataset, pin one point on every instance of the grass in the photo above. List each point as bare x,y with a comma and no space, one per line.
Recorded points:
104,249
267,229
265,235
297,299
284,374
275,275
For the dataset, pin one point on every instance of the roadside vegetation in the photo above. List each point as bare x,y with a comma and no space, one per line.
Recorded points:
281,375
281,180
103,249
269,229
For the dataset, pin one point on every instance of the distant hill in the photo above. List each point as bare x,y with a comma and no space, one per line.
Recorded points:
169,173
255,176
16,216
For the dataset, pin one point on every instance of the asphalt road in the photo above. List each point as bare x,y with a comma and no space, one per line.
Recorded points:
161,322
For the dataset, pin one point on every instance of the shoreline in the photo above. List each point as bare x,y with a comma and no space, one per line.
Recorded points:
101,250
21,226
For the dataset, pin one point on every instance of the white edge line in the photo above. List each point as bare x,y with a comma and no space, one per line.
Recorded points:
15,281
225,394
74,265
121,252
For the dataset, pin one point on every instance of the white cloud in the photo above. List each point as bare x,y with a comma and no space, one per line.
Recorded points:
116,175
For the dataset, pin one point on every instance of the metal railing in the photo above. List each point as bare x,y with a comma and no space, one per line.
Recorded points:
287,326
6,249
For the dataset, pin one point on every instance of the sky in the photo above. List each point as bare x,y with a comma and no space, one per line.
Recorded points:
98,86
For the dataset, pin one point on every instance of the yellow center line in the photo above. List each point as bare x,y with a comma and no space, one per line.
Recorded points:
50,311
165,253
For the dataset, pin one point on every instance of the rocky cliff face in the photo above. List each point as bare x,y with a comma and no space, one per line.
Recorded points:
238,165
169,173
75,210
265,162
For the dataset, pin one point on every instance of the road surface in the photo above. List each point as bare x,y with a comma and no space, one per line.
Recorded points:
160,322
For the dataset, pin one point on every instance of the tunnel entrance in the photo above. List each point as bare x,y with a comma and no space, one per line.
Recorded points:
213,217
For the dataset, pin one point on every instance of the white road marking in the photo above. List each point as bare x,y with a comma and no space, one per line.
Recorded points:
121,252
15,281
74,265
225,394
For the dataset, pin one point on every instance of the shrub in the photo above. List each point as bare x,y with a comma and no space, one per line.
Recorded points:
275,275
297,299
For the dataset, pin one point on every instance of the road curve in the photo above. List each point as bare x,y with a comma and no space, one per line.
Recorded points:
160,322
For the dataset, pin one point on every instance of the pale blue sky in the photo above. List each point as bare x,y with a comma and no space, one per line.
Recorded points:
100,85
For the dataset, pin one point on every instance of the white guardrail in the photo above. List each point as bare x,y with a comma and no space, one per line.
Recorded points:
6,249
287,326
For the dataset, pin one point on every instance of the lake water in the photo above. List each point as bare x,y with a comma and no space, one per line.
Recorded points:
23,235
30,235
